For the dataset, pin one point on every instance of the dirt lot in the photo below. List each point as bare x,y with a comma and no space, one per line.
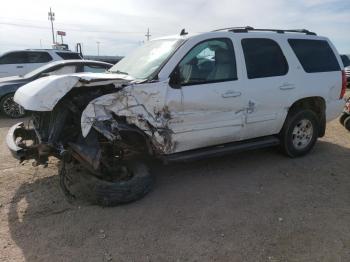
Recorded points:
255,206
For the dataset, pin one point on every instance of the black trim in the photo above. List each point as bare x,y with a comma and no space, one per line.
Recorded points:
220,150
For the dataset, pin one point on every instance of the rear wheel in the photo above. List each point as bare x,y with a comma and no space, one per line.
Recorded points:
299,133
10,108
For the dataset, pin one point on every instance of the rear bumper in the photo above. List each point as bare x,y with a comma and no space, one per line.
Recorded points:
334,109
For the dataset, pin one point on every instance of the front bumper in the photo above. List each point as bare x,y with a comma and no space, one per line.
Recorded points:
14,138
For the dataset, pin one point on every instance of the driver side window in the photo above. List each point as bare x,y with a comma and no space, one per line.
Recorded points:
208,62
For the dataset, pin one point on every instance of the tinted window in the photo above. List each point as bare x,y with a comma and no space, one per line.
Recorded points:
314,55
346,60
209,61
14,58
67,55
95,68
38,57
263,58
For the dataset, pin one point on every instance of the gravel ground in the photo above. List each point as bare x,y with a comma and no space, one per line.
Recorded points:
253,206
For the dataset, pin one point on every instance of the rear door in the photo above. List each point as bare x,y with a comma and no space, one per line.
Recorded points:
35,59
269,87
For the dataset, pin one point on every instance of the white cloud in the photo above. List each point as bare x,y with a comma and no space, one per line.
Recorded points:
121,25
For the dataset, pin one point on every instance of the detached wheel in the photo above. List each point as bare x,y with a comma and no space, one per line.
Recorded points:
342,118
299,133
10,108
132,183
347,123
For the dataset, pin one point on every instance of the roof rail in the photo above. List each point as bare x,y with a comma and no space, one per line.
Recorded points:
279,31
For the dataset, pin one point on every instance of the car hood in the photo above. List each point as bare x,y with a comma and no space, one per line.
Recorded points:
44,93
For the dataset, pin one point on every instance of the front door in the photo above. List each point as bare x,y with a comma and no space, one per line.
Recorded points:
208,108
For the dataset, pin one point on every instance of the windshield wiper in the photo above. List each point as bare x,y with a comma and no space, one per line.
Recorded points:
119,72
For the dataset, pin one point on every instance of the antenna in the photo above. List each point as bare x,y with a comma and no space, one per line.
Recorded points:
183,32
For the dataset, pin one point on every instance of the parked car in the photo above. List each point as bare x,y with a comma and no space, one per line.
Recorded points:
345,116
24,61
346,62
9,85
182,98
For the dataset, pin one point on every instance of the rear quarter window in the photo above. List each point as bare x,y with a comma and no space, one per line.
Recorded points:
67,56
38,57
315,56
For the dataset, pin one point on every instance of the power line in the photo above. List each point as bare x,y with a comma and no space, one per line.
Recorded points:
78,29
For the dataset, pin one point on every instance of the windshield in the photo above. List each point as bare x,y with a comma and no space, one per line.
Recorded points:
145,60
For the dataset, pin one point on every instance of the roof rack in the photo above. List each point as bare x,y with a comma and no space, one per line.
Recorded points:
279,31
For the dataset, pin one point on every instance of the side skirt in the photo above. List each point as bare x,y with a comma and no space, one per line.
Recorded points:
224,149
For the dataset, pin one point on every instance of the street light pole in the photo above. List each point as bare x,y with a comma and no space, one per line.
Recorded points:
52,18
98,48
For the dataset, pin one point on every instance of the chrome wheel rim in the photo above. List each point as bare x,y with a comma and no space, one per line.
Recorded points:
302,134
11,108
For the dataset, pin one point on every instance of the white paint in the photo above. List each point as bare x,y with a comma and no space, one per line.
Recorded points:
201,115
44,93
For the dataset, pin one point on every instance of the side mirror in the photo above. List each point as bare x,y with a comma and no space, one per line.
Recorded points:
175,78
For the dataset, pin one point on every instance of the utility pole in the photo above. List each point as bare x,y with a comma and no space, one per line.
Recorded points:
98,48
52,18
148,35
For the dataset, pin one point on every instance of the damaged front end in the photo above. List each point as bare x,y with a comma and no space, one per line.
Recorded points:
58,133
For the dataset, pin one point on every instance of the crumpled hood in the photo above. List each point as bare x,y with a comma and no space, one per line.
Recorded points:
44,93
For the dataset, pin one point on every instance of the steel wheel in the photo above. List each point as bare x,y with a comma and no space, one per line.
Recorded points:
10,108
302,134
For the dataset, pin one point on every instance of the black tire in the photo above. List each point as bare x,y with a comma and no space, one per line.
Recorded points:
342,118
106,193
299,144
10,108
347,123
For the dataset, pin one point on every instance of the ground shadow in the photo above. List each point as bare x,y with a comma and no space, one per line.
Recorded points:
254,206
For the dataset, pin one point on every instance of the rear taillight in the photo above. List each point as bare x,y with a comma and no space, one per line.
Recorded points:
343,85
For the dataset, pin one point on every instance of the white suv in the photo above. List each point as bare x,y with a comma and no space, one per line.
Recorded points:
21,62
180,98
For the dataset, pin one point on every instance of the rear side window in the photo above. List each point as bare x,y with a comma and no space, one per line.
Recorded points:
67,56
263,58
94,68
14,58
38,57
315,56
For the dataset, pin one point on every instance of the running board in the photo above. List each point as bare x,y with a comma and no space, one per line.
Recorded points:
224,149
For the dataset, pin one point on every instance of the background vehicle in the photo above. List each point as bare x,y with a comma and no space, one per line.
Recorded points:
181,98
345,117
9,85
346,62
21,62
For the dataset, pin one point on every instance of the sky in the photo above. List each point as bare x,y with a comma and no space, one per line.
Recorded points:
120,26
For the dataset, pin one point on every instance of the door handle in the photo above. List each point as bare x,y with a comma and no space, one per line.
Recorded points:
287,86
19,66
231,94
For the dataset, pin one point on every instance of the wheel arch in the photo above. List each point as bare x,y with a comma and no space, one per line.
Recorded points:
315,103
